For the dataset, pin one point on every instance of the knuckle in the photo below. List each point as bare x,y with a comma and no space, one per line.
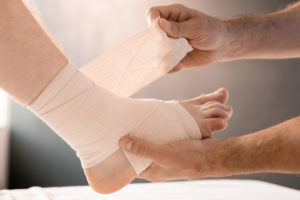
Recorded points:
178,5
151,10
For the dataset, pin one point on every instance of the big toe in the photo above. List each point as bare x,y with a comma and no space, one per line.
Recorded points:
221,95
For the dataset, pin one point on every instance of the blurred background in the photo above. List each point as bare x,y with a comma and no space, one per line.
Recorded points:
262,92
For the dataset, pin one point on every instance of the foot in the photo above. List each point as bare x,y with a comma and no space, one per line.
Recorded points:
211,114
210,111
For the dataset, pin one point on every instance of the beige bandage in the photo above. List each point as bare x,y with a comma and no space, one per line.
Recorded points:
137,62
92,119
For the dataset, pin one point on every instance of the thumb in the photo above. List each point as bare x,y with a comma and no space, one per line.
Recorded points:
140,147
176,29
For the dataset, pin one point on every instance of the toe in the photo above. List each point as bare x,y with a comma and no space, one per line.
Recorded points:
213,104
221,95
206,132
217,124
211,125
216,113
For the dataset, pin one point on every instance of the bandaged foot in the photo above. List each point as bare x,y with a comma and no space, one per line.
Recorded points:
92,120
210,113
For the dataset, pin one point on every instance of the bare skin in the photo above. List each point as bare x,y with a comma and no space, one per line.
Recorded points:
270,36
276,149
31,60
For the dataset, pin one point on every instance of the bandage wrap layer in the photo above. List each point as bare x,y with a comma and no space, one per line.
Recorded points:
90,109
137,62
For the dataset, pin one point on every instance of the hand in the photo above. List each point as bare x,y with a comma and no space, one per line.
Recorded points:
207,35
185,159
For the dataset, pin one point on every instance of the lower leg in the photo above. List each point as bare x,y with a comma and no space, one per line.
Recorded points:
29,58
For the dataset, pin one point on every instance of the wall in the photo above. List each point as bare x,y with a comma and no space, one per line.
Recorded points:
4,139
263,92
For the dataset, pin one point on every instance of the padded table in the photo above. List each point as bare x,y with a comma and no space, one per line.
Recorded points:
188,190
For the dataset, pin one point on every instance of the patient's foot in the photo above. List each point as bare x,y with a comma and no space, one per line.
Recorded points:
211,114
210,111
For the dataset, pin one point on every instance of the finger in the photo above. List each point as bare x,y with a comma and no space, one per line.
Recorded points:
198,58
157,173
141,148
175,12
178,29
152,14
150,173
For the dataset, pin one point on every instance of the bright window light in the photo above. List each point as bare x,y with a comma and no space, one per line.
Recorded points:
3,109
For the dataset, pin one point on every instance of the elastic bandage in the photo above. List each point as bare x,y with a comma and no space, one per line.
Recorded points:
90,109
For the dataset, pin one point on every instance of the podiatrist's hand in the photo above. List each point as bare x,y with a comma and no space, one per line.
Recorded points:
185,159
207,35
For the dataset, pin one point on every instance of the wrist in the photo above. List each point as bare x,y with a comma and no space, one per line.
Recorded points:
215,153
224,51
224,156
233,44
245,37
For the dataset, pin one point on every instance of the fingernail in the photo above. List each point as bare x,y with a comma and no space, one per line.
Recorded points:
126,144
166,24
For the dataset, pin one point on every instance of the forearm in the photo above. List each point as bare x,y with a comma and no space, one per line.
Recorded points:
29,58
275,149
274,35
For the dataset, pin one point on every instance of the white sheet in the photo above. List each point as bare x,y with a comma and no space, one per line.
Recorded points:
191,190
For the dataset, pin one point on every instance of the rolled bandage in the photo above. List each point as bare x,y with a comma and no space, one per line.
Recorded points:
137,62
92,119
